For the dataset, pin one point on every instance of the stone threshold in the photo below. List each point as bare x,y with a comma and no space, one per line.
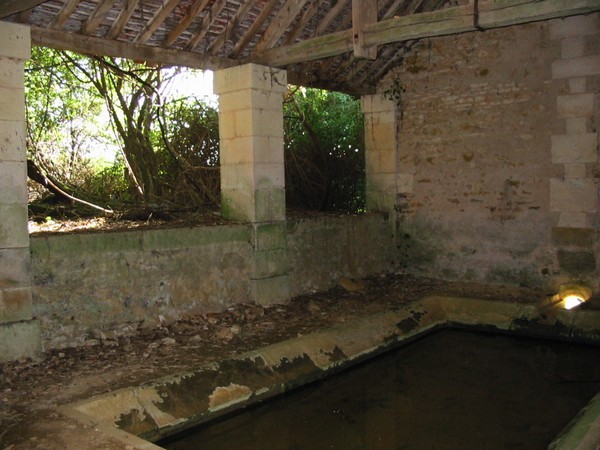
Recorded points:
140,414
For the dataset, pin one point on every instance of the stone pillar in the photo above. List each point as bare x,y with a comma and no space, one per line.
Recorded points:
252,169
384,184
574,197
19,334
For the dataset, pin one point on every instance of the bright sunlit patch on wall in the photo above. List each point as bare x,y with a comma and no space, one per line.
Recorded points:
571,296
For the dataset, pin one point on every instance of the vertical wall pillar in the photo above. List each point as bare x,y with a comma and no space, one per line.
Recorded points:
19,334
381,158
252,169
574,197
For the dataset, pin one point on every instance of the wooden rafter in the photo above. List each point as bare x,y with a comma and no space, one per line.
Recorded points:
280,23
330,16
122,18
101,47
159,17
216,45
302,23
253,29
64,14
96,18
186,21
205,25
10,7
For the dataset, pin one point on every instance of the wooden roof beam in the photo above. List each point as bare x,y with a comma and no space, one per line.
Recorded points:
159,17
101,47
330,16
280,23
253,29
216,45
64,14
302,23
96,18
185,22
364,13
10,7
122,18
206,23
457,19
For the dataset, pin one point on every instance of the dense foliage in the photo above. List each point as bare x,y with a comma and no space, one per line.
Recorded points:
105,133
324,151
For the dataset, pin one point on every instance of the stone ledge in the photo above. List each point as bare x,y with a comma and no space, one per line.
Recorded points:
167,406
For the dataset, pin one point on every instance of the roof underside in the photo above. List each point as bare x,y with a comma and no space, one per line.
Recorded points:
335,44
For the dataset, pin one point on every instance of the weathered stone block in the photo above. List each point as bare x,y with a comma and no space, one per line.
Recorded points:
14,265
576,85
13,183
252,149
15,41
376,103
249,76
12,103
574,26
270,263
574,148
575,105
250,99
573,220
576,67
258,122
268,236
13,226
12,140
270,204
15,304
405,182
11,73
573,237
575,170
19,340
572,47
573,195
271,291
576,125
576,263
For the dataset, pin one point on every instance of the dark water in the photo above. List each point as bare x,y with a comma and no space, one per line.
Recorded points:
451,390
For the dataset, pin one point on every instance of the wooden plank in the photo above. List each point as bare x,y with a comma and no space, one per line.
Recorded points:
64,14
253,29
435,23
205,25
10,7
302,23
122,18
330,16
500,13
316,48
101,47
280,23
364,13
186,21
159,17
239,15
95,19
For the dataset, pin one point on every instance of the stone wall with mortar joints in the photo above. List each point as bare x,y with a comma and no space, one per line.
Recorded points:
93,286
479,110
87,284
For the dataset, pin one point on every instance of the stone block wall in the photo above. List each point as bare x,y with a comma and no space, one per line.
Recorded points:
19,333
95,285
497,150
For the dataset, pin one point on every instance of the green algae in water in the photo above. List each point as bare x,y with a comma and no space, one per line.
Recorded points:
451,390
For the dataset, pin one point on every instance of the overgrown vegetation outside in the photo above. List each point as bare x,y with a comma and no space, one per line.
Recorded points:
107,136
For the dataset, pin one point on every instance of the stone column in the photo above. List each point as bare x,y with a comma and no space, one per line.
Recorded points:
19,334
384,184
252,169
574,197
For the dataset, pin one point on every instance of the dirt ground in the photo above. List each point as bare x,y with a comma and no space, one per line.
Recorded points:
31,390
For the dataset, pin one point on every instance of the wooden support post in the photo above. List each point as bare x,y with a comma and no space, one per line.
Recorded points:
364,12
